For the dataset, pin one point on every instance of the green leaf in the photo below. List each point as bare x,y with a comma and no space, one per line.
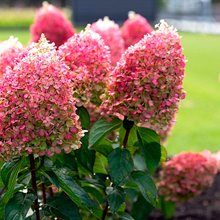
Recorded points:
6,171
84,117
64,160
120,165
63,207
139,162
104,146
126,216
76,193
122,208
18,206
132,139
149,144
50,176
116,197
85,156
100,165
146,186
11,183
95,193
152,154
168,208
145,207
163,157
102,128
147,135
24,178
2,211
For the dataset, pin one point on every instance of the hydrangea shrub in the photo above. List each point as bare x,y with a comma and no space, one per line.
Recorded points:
59,165
51,22
146,84
38,113
90,63
134,29
186,175
111,34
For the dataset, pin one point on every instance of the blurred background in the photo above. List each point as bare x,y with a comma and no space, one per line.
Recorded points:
198,21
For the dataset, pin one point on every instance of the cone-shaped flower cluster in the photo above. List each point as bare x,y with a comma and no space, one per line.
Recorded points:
111,34
50,21
186,175
10,51
37,110
146,84
89,60
134,29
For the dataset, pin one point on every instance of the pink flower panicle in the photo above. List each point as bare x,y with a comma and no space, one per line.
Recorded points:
90,62
37,110
111,34
94,113
216,155
134,29
50,21
186,175
146,84
10,51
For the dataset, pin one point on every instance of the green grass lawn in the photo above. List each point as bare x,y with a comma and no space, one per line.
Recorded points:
198,121
22,34
198,126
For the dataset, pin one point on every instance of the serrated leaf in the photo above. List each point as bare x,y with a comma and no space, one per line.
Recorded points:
63,207
145,207
152,154
50,176
100,165
6,170
11,183
84,117
18,206
147,135
116,197
120,165
64,160
85,156
104,146
146,186
76,193
95,193
101,128
150,147
139,162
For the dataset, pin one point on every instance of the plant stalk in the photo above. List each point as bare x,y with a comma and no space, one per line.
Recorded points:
127,124
105,212
44,195
125,141
34,185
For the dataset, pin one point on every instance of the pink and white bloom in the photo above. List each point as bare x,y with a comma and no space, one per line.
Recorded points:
134,29
10,52
111,34
50,21
37,110
90,63
186,175
146,84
